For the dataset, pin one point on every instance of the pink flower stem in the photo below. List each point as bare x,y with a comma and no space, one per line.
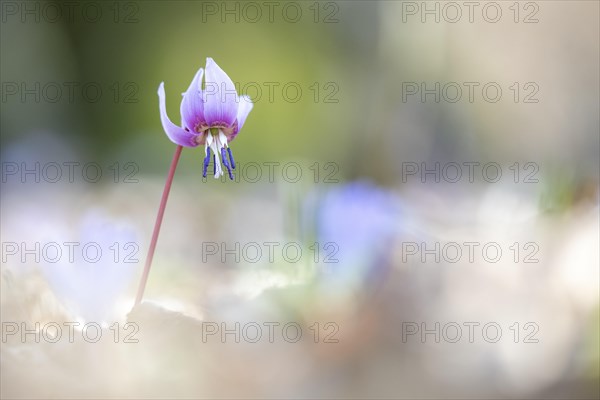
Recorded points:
157,224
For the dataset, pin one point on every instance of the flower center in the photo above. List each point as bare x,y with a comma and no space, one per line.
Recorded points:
217,142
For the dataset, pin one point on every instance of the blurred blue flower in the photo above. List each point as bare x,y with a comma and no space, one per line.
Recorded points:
213,116
98,270
361,221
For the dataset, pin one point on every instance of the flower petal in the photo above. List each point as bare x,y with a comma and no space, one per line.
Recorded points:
177,134
192,108
244,108
220,105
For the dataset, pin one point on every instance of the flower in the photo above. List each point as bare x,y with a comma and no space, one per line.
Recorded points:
354,223
212,117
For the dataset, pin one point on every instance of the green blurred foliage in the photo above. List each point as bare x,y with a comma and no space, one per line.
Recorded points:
169,41
358,53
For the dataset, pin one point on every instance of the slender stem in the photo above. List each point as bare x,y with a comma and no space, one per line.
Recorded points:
157,224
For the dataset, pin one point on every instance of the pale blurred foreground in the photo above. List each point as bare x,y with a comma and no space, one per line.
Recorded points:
360,349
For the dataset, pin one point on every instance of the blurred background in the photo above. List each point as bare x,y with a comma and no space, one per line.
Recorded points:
386,138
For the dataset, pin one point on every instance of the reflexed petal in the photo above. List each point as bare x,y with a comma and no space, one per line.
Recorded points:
192,109
177,134
245,106
243,110
220,105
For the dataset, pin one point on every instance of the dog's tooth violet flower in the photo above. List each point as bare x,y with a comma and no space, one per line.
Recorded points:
212,116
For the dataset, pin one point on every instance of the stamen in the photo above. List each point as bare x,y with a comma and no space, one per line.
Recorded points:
222,138
230,158
218,171
215,165
206,162
226,163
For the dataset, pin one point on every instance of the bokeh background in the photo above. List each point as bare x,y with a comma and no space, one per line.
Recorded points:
352,132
